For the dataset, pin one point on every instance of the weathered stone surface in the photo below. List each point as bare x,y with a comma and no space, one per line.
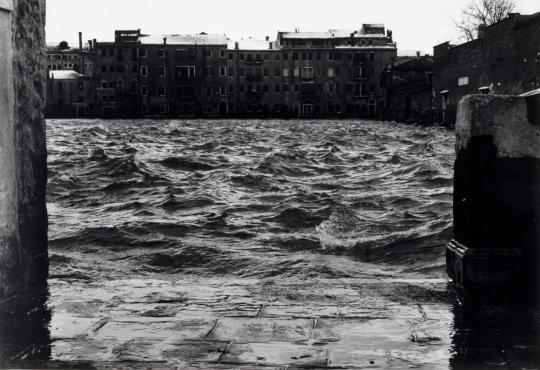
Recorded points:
23,168
496,190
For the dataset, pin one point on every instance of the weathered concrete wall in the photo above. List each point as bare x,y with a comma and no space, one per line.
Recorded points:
496,190
23,167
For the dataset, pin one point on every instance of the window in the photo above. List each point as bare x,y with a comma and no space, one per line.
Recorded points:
370,42
276,88
209,70
371,57
185,72
144,71
285,88
330,56
120,69
222,53
133,69
331,72
318,55
145,109
161,53
103,69
231,89
266,72
242,72
144,90
111,69
209,53
242,56
265,88
231,56
296,72
266,57
307,109
161,71
296,88
208,90
285,72
142,53
307,55
330,88
242,88
277,72
277,57
230,72
222,71
222,90
371,88
295,55
463,81
162,109
307,72
285,56
161,90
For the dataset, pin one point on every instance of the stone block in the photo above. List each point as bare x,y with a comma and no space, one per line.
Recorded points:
496,190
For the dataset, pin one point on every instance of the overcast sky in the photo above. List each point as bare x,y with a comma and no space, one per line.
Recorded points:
416,24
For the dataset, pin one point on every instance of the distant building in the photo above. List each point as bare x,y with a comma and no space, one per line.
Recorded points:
300,74
504,59
408,89
69,94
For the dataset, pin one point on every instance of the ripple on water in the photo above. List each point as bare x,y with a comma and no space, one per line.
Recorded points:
257,199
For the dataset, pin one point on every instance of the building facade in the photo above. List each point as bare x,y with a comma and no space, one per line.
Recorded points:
408,90
504,59
300,74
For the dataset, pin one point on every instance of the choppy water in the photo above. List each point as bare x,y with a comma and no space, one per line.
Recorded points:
247,198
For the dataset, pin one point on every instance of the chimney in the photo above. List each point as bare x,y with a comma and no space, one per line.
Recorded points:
271,46
418,53
481,30
89,44
81,57
236,45
94,43
165,40
267,38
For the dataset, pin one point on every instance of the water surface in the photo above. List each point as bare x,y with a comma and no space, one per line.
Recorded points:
251,199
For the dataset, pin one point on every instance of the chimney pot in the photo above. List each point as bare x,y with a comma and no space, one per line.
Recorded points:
267,38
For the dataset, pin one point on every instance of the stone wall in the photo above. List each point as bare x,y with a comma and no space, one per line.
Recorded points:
496,190
23,167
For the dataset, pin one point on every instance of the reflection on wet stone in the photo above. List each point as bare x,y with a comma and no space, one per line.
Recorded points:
24,327
496,330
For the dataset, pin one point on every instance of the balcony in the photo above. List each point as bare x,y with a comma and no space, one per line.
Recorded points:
253,62
254,94
254,78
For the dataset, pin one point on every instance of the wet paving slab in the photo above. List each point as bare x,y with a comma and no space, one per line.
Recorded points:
251,323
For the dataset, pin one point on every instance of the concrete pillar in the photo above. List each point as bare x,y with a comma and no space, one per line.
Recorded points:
496,192
23,167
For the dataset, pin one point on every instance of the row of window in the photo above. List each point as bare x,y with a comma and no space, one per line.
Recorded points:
62,56
356,89
187,53
185,72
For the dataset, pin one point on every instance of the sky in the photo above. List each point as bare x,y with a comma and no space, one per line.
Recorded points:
416,24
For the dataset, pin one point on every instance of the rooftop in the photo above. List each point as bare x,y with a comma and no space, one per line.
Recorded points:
252,44
177,39
64,75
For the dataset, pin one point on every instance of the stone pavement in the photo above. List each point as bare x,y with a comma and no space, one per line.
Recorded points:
377,322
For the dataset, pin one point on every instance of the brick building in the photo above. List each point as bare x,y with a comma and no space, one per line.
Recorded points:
69,94
504,59
300,74
408,89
